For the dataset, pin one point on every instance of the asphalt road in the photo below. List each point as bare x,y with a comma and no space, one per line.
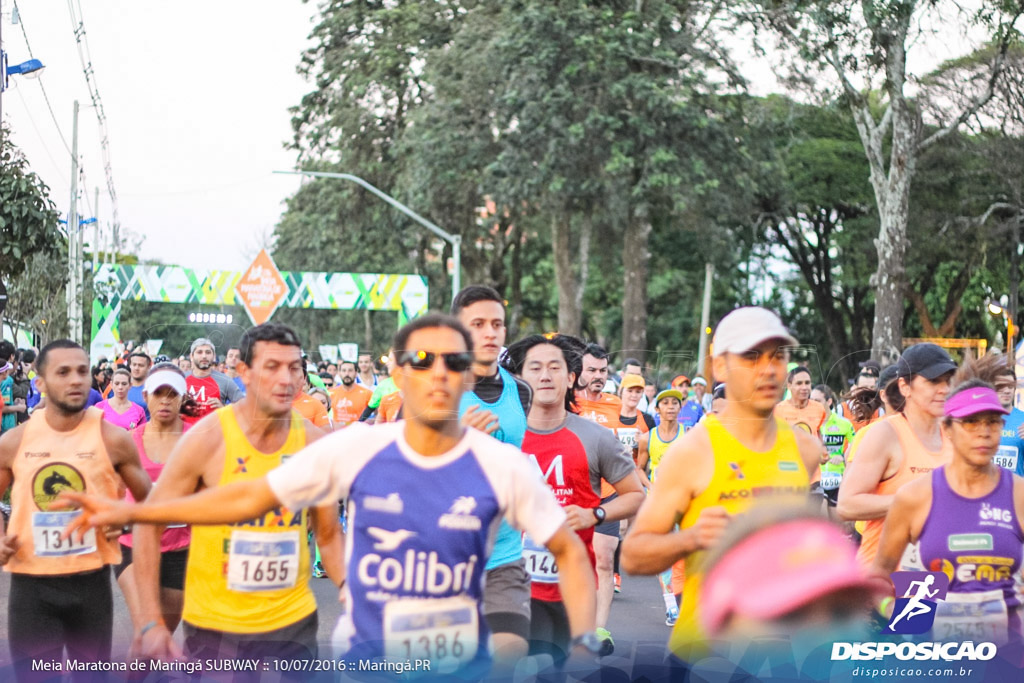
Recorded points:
637,621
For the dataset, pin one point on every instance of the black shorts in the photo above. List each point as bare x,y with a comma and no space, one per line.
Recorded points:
608,528
172,567
294,643
549,629
507,599
48,613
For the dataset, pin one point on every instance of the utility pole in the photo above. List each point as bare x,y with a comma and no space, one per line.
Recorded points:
705,319
96,232
74,245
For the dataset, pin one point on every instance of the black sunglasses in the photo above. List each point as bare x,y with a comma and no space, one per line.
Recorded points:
424,360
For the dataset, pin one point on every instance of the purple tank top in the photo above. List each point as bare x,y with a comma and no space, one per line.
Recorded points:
977,542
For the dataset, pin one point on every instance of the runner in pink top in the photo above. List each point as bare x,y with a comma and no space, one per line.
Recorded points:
163,391
118,410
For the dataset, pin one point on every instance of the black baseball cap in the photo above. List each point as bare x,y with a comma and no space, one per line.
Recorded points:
927,360
887,375
871,367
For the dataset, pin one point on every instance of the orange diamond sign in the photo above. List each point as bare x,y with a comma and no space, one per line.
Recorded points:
261,289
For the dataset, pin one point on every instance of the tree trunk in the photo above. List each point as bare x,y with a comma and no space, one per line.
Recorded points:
636,259
367,334
515,295
891,247
570,285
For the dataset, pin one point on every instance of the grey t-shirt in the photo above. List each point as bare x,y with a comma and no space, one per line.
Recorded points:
577,437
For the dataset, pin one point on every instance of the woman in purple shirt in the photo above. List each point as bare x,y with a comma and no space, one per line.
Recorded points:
117,409
967,517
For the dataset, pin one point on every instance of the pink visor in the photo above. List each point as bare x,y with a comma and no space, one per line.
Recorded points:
779,569
974,401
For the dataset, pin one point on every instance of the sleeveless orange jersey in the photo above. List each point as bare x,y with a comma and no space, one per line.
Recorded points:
48,462
741,478
604,411
349,404
810,418
917,462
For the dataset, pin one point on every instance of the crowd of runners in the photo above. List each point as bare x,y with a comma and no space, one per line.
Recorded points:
475,500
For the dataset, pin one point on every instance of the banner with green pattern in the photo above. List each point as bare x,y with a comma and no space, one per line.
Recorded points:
113,283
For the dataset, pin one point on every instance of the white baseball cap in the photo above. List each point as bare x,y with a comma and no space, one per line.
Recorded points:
165,378
746,327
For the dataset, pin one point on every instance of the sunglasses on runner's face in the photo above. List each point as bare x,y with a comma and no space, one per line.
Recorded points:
976,423
424,360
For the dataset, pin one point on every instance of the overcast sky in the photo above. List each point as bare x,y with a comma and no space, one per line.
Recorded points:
196,96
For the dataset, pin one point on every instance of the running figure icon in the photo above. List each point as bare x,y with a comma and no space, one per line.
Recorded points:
916,606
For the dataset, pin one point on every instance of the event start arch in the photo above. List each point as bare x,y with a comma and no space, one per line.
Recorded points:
113,283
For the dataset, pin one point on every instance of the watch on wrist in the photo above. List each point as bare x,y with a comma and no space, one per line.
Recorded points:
589,641
600,514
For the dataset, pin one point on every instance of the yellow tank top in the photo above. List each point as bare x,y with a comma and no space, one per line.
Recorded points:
656,448
250,577
48,462
917,462
740,478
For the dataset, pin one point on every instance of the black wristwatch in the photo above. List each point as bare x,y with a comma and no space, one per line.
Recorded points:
600,514
590,642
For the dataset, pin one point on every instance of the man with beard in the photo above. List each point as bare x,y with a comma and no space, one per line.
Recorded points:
210,389
348,398
60,594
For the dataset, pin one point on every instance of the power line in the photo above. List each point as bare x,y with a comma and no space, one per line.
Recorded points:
46,97
85,57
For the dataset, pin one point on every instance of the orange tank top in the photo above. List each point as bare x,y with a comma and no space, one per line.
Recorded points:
917,462
48,462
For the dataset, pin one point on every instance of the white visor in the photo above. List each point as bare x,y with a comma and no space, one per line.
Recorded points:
165,378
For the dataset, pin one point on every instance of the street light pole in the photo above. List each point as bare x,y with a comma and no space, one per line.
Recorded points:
74,262
454,240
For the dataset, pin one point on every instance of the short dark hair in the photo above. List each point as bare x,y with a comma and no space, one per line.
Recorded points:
796,371
347,362
7,350
468,296
830,395
426,322
29,356
595,350
572,351
632,361
326,375
43,359
139,353
267,332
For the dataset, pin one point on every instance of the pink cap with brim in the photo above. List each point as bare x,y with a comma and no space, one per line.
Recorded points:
974,401
778,569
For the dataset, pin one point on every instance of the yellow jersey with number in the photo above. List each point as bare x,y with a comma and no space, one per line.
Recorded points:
253,576
741,478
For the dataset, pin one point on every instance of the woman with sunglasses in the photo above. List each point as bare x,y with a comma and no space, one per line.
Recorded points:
967,517
166,397
900,448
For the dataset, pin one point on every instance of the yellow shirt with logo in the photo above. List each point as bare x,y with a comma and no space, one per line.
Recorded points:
741,478
210,600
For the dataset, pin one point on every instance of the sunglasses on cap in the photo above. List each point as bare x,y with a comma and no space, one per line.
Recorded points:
424,360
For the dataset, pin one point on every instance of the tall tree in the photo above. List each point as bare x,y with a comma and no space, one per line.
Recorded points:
865,44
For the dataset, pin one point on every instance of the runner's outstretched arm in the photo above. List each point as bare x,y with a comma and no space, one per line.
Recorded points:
235,502
575,580
857,500
899,528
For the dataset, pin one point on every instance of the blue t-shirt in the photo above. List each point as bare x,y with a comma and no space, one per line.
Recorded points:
135,396
508,545
94,398
238,382
690,414
1011,446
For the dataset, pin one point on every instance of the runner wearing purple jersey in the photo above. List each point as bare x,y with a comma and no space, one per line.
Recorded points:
966,515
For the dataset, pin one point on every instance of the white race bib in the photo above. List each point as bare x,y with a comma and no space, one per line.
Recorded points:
540,564
47,528
911,560
972,616
262,561
1006,457
627,436
446,631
